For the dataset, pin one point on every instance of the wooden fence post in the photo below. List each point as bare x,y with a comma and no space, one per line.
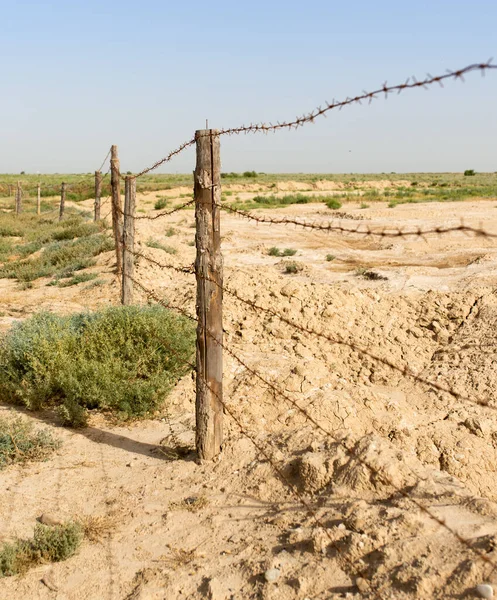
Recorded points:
128,241
38,199
117,219
209,272
18,198
98,195
62,201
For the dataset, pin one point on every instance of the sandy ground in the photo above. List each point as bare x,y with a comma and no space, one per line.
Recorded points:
179,529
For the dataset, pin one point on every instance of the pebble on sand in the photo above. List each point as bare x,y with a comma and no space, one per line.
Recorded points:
485,590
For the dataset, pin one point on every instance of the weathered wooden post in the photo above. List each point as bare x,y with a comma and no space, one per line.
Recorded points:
18,198
209,272
38,199
62,201
98,195
117,220
128,240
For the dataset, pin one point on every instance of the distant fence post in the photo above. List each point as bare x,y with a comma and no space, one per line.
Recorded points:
209,272
98,195
38,199
117,221
18,198
62,201
128,241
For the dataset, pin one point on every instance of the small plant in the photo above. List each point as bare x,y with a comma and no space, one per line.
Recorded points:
191,243
48,544
469,173
414,183
293,267
370,275
78,278
19,442
170,232
160,203
155,244
333,203
330,257
364,205
274,251
191,504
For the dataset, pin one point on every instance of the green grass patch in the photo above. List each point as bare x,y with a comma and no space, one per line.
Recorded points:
161,203
155,244
48,544
117,360
20,442
77,279
333,203
274,251
59,259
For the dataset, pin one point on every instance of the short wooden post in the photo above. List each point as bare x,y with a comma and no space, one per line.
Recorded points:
117,217
38,199
98,195
18,198
128,240
209,271
62,201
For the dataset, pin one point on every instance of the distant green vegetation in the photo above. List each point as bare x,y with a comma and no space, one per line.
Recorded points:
123,360
59,249
280,201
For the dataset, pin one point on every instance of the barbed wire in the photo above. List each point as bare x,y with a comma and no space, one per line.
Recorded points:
329,227
105,160
404,371
159,215
410,82
349,449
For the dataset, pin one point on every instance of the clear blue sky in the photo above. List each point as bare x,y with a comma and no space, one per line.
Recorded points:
80,76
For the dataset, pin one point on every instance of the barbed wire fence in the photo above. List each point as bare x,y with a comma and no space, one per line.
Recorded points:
211,405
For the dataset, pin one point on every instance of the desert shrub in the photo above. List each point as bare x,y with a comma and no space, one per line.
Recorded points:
330,257
469,173
49,544
123,359
370,275
274,251
160,203
155,244
19,442
170,232
58,258
77,279
289,252
333,203
364,205
293,267
250,174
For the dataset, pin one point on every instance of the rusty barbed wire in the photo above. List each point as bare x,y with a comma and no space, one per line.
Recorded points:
410,82
329,227
349,449
159,215
404,371
105,160
167,158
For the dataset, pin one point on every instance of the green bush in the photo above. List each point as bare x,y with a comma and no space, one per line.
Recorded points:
250,174
160,203
122,359
49,544
333,203
469,173
20,443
